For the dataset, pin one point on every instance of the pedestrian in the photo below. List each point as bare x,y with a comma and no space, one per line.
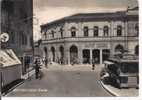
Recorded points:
37,67
93,64
46,63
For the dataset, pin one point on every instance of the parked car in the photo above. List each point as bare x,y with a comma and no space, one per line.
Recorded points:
121,72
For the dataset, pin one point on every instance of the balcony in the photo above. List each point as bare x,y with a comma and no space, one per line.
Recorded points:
91,39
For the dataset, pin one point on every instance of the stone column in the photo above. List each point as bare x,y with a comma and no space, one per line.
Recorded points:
101,58
91,56
80,29
111,36
68,56
126,34
80,55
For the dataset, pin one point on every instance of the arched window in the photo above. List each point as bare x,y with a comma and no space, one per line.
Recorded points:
96,30
119,30
106,30
73,32
61,31
85,31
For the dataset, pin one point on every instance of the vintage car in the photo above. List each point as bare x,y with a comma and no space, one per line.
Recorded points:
122,72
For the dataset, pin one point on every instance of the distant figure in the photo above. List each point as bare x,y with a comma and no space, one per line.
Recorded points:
46,62
93,64
37,67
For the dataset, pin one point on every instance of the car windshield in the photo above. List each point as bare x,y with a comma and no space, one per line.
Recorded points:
129,67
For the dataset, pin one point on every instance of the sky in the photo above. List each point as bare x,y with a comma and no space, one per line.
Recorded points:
46,11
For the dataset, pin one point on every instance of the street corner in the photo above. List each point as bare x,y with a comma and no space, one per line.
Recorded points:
123,92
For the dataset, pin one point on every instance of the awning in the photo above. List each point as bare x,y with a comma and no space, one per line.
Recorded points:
8,58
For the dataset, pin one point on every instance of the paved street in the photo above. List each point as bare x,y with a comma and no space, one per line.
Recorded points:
60,81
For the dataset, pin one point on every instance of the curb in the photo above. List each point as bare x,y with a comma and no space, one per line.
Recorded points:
108,90
14,87
10,90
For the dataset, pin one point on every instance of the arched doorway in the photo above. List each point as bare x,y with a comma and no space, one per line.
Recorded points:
86,56
105,54
53,53
137,50
45,59
73,54
61,54
45,51
119,48
96,55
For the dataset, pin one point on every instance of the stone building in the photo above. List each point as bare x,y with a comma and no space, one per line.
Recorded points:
82,37
16,20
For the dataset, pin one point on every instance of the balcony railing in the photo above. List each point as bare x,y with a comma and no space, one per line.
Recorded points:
91,38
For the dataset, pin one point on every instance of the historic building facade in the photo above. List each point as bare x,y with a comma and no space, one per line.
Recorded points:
16,20
83,37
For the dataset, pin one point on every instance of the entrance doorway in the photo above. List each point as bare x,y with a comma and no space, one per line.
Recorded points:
53,53
96,55
73,55
86,56
105,54
62,54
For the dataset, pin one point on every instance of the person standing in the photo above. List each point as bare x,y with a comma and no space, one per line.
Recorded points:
46,63
37,67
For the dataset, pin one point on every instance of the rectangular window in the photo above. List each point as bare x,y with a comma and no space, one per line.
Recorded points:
119,30
86,31
61,31
96,31
52,33
73,32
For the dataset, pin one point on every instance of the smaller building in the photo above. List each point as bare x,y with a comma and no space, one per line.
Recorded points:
10,68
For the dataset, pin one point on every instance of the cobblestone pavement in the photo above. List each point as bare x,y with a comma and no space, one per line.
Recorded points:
63,81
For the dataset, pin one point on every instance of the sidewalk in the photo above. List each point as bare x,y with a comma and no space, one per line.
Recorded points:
125,92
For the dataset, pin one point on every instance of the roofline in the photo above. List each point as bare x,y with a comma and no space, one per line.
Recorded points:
70,18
